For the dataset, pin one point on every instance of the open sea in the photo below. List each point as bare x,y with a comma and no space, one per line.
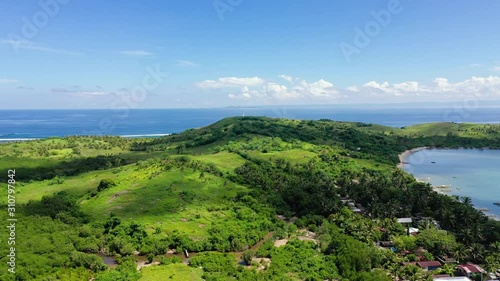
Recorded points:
472,173
25,124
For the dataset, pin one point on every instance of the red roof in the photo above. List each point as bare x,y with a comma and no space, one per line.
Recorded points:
471,268
424,264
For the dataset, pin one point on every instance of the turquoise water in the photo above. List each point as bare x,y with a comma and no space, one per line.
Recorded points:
470,172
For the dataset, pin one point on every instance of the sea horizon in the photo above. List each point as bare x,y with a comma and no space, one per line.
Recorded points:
44,123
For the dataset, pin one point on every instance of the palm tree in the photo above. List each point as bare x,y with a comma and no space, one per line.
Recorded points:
491,264
446,269
466,200
495,247
460,253
477,252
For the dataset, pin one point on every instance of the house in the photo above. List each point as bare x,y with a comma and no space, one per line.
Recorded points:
469,269
429,265
407,222
442,276
404,220
461,278
446,259
413,230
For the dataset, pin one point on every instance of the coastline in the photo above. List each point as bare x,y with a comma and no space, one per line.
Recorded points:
438,189
403,156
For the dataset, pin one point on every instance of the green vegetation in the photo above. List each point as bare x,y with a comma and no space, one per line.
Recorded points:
228,192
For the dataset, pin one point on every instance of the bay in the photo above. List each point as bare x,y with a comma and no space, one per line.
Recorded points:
468,172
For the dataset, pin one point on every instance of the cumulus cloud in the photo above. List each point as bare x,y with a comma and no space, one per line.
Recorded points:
296,89
258,88
440,87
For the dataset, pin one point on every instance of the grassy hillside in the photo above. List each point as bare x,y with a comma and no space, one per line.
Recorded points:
234,186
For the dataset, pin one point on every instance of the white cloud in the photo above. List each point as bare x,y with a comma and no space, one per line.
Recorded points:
286,77
186,63
353,89
91,94
496,68
302,92
257,88
319,88
28,45
440,87
7,81
82,93
140,53
227,82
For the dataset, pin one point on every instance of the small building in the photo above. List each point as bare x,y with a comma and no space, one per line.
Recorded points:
461,278
429,265
447,260
469,269
442,276
407,222
413,230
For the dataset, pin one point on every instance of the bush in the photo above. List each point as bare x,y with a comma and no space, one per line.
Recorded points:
105,183
248,256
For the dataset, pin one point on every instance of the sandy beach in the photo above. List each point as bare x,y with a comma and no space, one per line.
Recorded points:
404,155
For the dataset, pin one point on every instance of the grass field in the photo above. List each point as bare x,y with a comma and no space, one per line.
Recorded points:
225,161
174,272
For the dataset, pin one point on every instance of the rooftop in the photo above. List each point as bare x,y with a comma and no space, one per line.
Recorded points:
461,278
471,268
404,220
428,263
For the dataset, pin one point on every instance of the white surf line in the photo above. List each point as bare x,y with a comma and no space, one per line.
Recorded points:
145,135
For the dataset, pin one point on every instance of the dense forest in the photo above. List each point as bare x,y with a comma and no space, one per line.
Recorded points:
246,198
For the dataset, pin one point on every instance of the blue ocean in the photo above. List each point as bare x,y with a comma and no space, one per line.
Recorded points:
25,124
466,172
471,173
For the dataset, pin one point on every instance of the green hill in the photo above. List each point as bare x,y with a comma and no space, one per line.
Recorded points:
226,192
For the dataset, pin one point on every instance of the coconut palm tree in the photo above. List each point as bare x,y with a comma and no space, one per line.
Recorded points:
446,269
460,253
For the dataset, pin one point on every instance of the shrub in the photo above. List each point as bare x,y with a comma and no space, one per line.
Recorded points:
105,183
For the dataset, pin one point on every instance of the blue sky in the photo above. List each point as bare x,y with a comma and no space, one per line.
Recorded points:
110,54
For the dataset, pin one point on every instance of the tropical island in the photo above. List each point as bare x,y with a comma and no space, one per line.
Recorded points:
246,198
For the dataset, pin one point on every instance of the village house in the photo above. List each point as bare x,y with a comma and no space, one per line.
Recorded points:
429,265
469,269
460,278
